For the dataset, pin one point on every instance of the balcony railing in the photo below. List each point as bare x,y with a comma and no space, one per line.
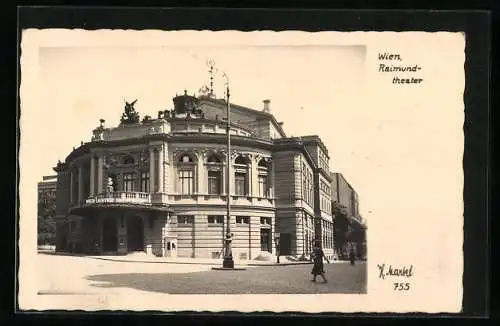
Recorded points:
161,199
211,199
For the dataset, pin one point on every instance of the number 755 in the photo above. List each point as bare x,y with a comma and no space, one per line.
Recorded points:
401,286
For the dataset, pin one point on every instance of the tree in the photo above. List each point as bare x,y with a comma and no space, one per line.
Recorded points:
341,227
46,219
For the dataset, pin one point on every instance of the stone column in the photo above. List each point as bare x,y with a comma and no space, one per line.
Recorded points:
71,186
254,177
160,169
201,182
92,177
100,165
249,178
151,171
80,184
271,178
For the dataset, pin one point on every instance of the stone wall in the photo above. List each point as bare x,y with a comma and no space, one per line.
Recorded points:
201,239
62,193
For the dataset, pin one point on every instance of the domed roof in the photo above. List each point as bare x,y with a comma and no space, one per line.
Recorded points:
185,103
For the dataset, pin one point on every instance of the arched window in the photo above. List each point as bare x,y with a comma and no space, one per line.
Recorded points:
213,159
185,172
145,181
128,160
214,168
241,176
262,178
129,178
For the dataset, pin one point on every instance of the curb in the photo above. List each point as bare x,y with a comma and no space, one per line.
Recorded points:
193,262
184,262
169,262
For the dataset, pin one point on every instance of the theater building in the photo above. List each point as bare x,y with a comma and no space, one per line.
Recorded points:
158,185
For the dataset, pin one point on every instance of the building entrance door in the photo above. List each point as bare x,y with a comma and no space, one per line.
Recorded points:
135,234
109,234
170,247
265,240
285,244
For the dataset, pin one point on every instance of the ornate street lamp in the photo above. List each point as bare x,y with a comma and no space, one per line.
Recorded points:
228,261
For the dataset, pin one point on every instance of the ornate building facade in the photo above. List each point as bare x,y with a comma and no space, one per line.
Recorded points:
159,185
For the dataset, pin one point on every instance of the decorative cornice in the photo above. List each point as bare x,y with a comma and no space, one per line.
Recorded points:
325,174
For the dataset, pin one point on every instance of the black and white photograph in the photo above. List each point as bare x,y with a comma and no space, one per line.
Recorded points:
261,168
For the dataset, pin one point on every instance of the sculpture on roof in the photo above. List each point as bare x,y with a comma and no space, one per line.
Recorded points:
130,115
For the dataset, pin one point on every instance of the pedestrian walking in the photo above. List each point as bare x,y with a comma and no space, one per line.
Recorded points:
278,252
317,258
352,257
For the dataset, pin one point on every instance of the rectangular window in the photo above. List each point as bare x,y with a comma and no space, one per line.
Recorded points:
214,182
304,186
145,181
262,185
156,164
128,182
242,220
186,181
240,184
215,219
265,221
311,189
185,219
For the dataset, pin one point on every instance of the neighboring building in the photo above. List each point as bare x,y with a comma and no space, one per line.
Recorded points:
301,211
47,189
345,195
46,201
159,185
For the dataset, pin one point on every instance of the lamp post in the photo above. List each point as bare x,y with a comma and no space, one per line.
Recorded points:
277,245
228,261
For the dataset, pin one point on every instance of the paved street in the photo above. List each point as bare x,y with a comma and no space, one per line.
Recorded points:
66,274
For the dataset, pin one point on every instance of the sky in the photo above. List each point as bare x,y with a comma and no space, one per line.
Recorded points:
304,83
386,139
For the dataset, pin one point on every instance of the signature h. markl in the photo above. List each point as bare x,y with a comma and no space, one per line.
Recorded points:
399,271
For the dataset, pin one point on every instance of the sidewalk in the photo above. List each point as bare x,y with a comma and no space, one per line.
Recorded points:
143,258
201,261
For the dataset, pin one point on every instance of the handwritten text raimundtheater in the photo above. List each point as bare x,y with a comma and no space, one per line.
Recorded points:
403,74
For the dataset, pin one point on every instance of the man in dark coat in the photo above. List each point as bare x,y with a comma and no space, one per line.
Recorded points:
317,258
352,257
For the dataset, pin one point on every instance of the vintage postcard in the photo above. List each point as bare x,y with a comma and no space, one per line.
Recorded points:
241,171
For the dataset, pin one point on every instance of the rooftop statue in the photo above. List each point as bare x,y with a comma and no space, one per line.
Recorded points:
130,115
